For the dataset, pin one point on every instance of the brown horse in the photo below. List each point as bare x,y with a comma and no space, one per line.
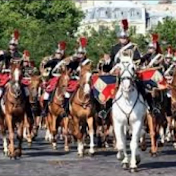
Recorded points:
172,87
14,109
82,111
31,130
57,111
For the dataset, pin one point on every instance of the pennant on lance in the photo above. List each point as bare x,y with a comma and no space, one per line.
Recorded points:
103,87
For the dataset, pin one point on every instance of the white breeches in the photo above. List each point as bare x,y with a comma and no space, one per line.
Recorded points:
1,91
46,96
67,95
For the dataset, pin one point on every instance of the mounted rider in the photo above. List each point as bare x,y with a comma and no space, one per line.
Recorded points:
168,69
28,65
13,55
153,57
51,66
124,45
79,59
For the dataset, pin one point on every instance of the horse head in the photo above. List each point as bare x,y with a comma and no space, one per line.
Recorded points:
16,74
64,78
126,74
84,83
34,85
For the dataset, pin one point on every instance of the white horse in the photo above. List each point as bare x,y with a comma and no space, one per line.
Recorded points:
128,109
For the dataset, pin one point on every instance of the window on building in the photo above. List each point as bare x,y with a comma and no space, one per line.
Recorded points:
116,14
102,13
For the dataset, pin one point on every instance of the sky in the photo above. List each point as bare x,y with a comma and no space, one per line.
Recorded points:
150,2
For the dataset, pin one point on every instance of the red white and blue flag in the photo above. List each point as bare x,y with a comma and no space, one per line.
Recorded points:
103,87
153,77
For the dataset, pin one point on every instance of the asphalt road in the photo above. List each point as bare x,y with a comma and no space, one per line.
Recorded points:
41,160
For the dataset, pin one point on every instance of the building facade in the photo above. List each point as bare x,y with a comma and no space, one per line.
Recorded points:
141,17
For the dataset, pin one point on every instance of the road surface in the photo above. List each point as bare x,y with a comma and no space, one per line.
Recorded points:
41,160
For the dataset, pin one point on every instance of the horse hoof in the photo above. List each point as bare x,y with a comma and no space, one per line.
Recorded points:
138,159
80,155
125,166
133,170
160,144
154,155
66,149
5,154
91,154
120,156
29,144
143,148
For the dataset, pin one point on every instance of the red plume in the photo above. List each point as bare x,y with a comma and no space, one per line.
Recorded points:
16,34
62,45
169,50
26,53
125,24
155,38
83,42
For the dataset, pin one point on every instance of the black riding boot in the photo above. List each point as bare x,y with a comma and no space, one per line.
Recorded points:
45,109
66,107
29,110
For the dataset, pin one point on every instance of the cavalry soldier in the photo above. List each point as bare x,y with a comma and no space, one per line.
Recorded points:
79,58
153,57
28,65
7,56
124,45
13,55
105,65
168,67
53,64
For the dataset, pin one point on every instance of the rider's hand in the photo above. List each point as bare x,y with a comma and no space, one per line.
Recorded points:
1,52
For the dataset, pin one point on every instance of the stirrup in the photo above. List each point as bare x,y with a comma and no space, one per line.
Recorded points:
102,114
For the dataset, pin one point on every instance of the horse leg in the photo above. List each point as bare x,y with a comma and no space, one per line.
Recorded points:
152,130
161,132
29,131
35,127
54,130
78,135
120,141
143,144
65,131
135,157
20,139
11,136
91,134
5,144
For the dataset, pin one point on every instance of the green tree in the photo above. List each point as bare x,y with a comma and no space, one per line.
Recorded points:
42,23
167,32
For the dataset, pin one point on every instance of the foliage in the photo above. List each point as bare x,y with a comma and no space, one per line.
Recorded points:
167,32
42,23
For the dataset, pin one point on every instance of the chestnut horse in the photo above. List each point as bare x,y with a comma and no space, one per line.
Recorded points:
13,109
82,111
56,111
31,130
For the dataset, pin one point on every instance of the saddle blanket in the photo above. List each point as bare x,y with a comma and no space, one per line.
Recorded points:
51,85
152,77
4,78
103,87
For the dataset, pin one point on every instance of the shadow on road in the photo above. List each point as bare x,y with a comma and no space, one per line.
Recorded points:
157,165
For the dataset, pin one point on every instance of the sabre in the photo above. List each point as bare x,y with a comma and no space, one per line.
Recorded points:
169,69
154,60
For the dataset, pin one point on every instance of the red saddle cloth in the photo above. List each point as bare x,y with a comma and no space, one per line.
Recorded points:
26,81
52,84
4,78
72,86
